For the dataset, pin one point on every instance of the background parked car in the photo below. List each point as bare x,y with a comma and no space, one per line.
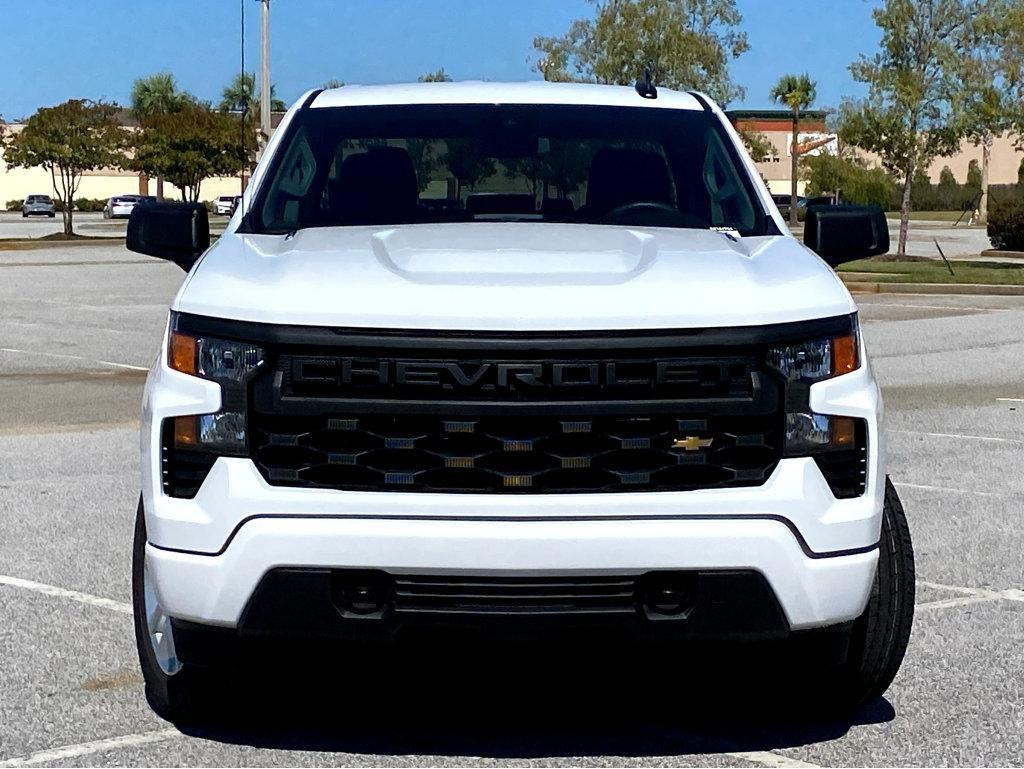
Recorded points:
782,202
224,205
120,207
38,205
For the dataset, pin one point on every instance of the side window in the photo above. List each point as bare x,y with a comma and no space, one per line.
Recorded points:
291,184
730,204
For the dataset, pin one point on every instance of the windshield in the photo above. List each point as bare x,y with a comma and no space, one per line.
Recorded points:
350,166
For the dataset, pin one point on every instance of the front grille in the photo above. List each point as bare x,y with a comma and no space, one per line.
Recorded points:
846,470
415,594
514,453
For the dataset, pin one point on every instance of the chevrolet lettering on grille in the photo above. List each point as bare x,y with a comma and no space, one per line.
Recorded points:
499,375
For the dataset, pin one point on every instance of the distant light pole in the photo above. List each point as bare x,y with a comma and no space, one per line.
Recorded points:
265,70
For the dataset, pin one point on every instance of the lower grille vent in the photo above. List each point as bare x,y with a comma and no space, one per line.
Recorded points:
182,471
846,471
515,595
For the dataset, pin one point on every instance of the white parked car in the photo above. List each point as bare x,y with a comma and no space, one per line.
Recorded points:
121,206
224,205
630,400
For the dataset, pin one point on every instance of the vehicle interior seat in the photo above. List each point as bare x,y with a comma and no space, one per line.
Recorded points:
377,186
622,176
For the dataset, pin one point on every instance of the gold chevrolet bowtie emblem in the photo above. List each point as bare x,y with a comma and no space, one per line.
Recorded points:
691,443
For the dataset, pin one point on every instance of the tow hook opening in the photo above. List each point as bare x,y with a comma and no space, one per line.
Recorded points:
668,594
361,594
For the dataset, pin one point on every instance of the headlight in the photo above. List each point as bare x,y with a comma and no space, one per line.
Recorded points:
806,432
228,363
219,360
819,359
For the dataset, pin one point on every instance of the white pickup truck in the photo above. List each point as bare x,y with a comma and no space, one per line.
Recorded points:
507,355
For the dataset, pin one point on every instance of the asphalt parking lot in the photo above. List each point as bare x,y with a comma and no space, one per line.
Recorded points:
79,327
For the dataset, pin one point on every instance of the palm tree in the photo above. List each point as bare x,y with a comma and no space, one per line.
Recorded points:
240,93
158,95
798,93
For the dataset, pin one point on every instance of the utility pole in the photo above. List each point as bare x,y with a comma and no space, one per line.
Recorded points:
265,71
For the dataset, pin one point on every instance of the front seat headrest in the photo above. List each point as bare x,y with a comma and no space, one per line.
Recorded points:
375,187
621,176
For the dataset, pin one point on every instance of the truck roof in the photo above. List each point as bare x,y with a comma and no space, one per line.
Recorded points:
480,92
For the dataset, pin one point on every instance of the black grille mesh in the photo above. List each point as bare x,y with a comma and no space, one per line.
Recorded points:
514,453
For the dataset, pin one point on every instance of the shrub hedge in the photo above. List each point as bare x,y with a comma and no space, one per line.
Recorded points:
1006,224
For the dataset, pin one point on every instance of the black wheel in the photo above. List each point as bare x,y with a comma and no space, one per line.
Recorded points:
24,215
880,635
51,215
177,691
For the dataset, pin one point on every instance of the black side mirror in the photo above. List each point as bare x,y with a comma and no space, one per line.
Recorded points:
841,234
177,232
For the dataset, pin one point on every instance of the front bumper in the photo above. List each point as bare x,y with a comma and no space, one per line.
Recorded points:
215,589
209,554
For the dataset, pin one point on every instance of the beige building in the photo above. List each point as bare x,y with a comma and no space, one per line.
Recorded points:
777,127
17,183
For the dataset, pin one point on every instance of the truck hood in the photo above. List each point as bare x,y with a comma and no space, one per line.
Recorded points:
512,276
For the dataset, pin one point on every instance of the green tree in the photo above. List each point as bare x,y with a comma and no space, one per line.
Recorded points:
158,94
240,94
921,83
440,76
974,175
68,140
1020,175
687,44
333,83
828,174
797,92
466,163
758,145
189,146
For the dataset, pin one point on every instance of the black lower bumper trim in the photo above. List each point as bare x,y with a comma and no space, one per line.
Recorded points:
307,605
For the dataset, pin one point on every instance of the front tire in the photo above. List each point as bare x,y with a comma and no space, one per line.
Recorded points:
177,691
880,635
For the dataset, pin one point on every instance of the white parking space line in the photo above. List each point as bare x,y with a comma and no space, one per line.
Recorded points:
60,592
938,307
969,595
767,758
75,357
961,437
948,489
951,603
97,746
63,325
1010,400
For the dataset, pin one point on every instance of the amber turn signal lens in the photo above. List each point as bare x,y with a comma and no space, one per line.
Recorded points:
183,353
844,354
844,431
186,431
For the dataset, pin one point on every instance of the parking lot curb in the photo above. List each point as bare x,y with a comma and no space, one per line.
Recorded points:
872,287
1003,254
33,245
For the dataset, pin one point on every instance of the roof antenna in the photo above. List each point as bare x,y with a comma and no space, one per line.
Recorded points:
645,87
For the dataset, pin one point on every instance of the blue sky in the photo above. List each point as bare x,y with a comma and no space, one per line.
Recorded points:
96,48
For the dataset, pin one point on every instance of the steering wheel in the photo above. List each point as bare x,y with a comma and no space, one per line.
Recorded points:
647,213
